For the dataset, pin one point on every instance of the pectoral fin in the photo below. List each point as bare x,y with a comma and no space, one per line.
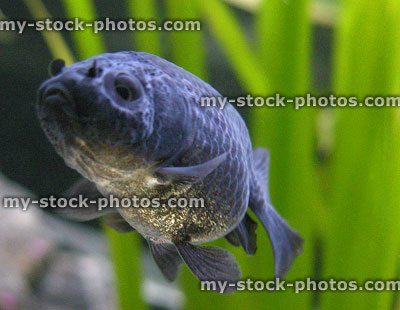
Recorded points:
191,174
85,212
85,188
117,222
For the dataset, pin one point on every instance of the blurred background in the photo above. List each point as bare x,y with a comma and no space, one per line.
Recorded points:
335,172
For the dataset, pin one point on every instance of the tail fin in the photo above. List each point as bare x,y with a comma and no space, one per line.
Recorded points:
286,243
261,168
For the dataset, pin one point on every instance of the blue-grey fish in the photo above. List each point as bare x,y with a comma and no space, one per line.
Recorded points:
132,125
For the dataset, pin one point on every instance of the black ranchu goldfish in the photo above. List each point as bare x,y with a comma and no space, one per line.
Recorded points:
131,124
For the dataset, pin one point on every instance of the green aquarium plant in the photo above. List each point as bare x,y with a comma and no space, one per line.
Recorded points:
347,205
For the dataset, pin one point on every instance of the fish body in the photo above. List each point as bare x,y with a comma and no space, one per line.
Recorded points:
132,125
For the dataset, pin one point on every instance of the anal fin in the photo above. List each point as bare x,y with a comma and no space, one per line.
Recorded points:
246,232
233,238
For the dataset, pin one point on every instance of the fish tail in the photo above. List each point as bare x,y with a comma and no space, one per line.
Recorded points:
286,242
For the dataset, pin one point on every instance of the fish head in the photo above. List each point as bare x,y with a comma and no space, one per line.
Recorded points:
97,113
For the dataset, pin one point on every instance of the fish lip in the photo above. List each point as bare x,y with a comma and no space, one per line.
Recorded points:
54,95
58,110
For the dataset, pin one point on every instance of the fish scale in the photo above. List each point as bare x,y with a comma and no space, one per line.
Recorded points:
132,124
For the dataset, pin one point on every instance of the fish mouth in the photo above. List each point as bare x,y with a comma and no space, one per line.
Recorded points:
56,92
57,97
97,144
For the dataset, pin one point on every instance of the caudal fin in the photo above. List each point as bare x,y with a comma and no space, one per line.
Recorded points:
286,242
261,169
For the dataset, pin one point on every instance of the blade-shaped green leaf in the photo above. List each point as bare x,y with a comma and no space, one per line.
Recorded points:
86,42
146,41
364,241
54,40
188,50
230,36
125,249
284,47
126,258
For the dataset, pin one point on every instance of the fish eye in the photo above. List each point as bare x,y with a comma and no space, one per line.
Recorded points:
126,88
56,66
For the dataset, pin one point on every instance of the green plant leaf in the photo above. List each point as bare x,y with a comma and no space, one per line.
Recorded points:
187,47
54,40
126,258
229,34
87,42
284,39
364,240
125,249
146,41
